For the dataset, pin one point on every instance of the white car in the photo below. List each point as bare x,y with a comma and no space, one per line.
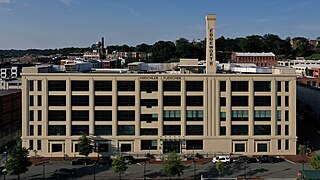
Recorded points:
224,159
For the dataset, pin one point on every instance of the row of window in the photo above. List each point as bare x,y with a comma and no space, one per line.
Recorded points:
242,130
258,101
260,147
258,86
259,115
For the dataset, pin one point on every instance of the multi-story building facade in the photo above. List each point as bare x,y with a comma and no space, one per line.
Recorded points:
156,113
260,59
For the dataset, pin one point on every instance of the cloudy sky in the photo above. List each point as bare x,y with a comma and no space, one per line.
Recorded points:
43,24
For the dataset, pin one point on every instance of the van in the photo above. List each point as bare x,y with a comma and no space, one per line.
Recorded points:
224,159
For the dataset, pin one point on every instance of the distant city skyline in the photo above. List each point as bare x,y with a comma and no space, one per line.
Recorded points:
41,24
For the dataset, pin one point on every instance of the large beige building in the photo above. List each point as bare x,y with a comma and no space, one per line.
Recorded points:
180,111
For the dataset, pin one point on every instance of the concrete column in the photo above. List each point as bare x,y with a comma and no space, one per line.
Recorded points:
68,107
91,106
183,107
228,107
217,107
206,104
137,108
114,108
274,98
160,107
251,108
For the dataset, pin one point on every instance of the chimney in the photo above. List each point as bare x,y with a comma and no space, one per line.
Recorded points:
211,44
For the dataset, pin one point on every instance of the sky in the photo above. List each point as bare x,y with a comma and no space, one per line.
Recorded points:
41,24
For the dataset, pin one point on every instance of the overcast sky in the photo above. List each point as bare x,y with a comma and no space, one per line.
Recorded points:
26,24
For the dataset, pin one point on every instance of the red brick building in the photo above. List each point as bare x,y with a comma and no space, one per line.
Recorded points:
312,78
260,59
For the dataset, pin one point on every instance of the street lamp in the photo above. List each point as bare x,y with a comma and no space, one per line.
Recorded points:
245,170
194,165
43,170
302,165
144,169
94,171
6,147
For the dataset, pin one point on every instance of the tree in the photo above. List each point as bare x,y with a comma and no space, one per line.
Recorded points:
85,147
118,165
172,166
315,161
302,149
220,167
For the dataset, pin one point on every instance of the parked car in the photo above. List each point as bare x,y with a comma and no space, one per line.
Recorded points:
224,159
268,159
129,160
63,172
244,159
105,160
3,170
79,161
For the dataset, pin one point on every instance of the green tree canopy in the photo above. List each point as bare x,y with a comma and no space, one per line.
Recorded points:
220,166
302,149
173,166
118,165
18,161
315,161
84,145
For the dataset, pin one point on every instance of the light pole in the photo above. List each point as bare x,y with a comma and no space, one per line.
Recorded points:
6,147
144,170
194,165
43,170
94,171
302,165
245,170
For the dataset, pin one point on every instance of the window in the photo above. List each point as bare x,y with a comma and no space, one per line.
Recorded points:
279,144
279,100
103,148
102,130
279,115
194,85
103,115
223,131
31,85
79,129
149,117
239,115
194,100
171,101
287,144
194,144
126,100
126,115
103,100
126,130
286,86
279,130
79,85
171,130
262,100
31,100
194,130
31,115
80,101
82,115
57,130
223,86
149,103
39,115
39,145
262,147
262,86
239,147
239,86
239,129
286,130
39,100
30,144
148,132
262,130
149,144
57,85
239,101
171,115
279,86
103,85
148,86
56,147
31,130
39,130
223,101
286,102
57,100
57,115
39,85
171,86
194,115
222,116
262,115
126,85
286,115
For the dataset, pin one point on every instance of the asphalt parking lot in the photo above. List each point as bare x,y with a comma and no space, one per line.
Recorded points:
254,170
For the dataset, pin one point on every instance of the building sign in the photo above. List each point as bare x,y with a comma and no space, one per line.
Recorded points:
211,44
156,78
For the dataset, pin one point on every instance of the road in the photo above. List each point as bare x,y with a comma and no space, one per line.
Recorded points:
84,172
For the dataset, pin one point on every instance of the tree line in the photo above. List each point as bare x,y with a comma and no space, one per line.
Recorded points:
169,51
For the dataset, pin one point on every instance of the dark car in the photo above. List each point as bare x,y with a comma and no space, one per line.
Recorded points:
79,161
63,172
268,159
105,160
129,160
3,170
245,159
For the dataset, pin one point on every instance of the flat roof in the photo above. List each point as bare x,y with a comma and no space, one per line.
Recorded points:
254,54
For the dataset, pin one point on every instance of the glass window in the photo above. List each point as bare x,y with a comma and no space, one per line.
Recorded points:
103,147
56,147
148,131
126,85
103,100
171,130
149,103
81,115
126,100
57,100
57,130
31,85
31,100
223,101
194,130
262,86
239,147
222,116
103,85
39,145
39,115
171,115
30,144
149,117
31,115
57,85
279,144
39,100
171,86
102,130
79,85
239,101
194,100
286,102
194,115
239,86
279,100
39,85
223,131
279,130
57,115
39,130
286,130
194,144
279,86
286,86
239,129
262,130
262,147
171,101
149,144
31,130
239,115
287,144
223,86
148,86
262,100
79,129
103,115
80,101
262,115
279,115
286,114
194,85
126,115
126,130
